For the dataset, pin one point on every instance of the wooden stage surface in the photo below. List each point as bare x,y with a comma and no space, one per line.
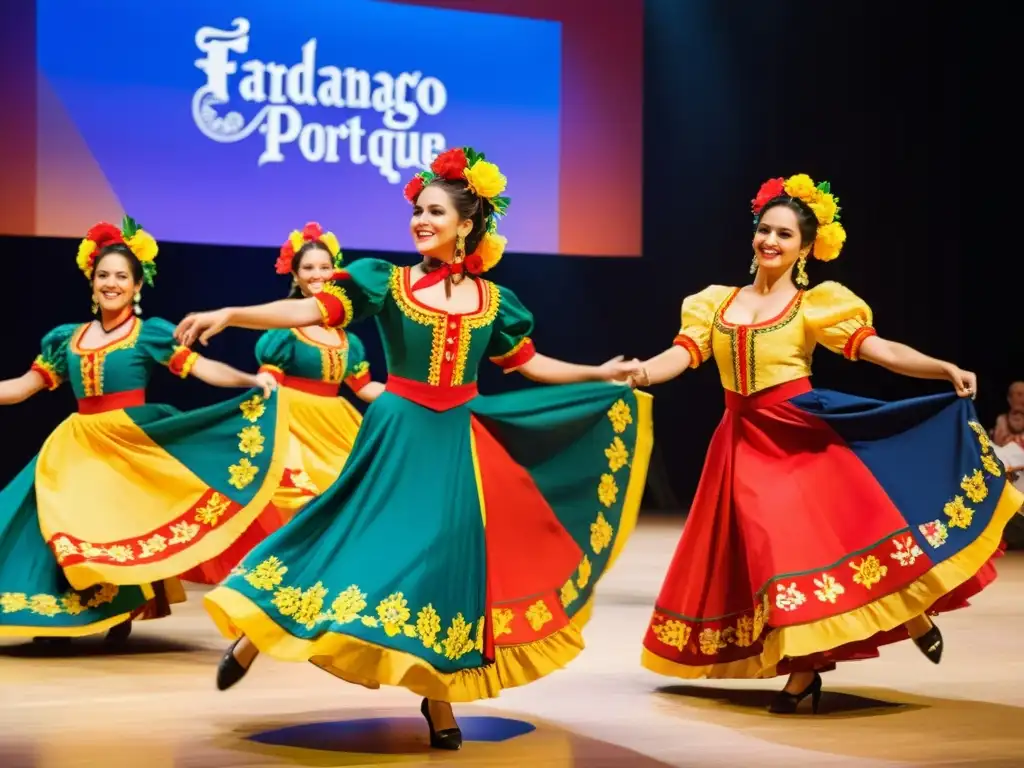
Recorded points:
154,705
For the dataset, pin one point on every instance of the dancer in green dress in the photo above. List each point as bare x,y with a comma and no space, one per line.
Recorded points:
457,553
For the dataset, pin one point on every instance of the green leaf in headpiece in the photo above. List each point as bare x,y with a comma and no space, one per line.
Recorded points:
427,176
500,205
338,259
824,187
472,156
148,271
129,226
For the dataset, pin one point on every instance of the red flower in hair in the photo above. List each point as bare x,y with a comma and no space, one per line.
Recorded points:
413,188
284,259
450,164
770,189
474,263
104,234
312,232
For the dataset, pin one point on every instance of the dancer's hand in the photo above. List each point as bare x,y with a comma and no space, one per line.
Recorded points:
964,382
266,382
617,369
202,326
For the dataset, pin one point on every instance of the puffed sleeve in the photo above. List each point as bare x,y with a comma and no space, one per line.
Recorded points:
274,352
52,361
358,374
838,318
697,319
157,339
510,345
355,293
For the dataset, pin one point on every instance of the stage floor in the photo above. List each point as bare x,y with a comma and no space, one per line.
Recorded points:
154,705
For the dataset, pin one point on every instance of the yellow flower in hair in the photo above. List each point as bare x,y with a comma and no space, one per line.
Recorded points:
801,186
491,249
295,238
330,242
85,251
143,246
485,179
825,208
829,241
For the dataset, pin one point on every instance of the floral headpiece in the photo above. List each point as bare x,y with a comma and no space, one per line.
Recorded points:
138,240
487,182
819,199
311,233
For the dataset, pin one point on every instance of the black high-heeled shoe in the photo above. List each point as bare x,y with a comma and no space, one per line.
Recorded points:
786,703
118,635
930,644
449,738
230,670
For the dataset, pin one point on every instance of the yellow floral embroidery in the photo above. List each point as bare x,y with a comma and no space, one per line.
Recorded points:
585,569
617,454
151,546
711,641
959,514
458,641
268,574
213,510
991,464
828,589
121,553
303,606
789,598
974,486
869,571
43,604
745,631
672,633
242,473
760,617
183,532
607,490
428,625
538,615
568,593
393,612
348,605
620,416
63,547
250,441
502,621
253,408
600,534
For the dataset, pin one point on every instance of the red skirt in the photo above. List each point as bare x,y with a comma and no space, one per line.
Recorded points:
821,524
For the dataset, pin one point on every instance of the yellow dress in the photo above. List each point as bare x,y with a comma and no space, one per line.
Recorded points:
322,425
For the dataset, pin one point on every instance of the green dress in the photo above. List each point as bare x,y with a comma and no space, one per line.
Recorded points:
457,553
125,494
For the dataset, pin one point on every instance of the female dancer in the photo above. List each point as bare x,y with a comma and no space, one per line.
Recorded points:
309,363
811,539
126,494
458,550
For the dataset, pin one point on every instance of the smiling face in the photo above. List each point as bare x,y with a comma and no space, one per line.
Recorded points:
436,223
114,284
314,268
777,241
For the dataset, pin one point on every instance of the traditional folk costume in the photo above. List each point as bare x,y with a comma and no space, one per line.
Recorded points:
322,425
822,521
457,553
126,495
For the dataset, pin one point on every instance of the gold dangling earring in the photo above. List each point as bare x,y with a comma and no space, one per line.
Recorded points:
138,304
753,265
801,275
95,306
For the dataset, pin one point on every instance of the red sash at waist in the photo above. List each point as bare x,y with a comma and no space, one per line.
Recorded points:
115,401
311,386
430,396
766,398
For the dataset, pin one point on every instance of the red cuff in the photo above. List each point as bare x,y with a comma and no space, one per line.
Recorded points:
181,361
684,341
332,310
274,371
852,349
50,377
357,381
516,357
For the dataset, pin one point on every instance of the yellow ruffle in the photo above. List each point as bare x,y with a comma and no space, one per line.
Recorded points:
882,615
364,663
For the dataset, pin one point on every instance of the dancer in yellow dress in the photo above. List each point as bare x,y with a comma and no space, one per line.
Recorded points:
310,363
126,495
